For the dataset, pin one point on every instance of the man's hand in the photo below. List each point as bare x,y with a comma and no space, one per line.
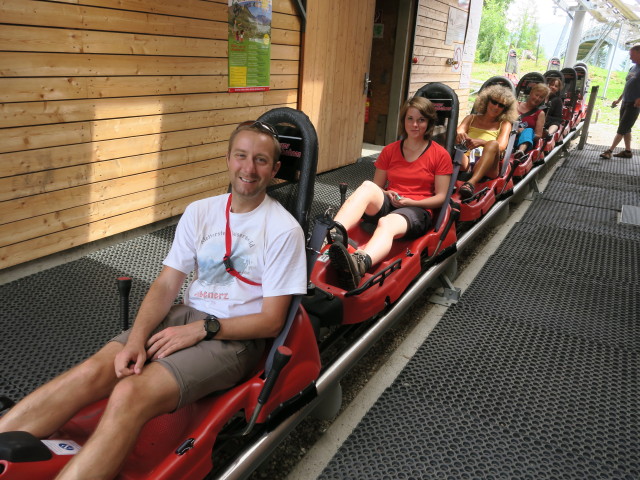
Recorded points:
172,339
130,361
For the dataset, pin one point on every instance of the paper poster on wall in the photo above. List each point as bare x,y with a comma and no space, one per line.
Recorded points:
456,65
249,45
465,76
456,26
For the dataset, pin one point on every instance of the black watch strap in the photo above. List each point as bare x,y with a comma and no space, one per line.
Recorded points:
211,326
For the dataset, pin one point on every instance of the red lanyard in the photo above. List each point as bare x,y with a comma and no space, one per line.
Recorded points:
227,260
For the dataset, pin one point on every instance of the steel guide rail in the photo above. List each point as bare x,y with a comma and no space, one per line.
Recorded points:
255,454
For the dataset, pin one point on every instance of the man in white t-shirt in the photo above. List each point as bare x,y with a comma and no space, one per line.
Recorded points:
248,255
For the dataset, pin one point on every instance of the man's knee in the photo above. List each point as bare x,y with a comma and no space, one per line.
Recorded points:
95,372
146,395
128,394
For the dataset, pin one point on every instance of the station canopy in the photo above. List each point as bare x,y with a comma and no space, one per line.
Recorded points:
625,13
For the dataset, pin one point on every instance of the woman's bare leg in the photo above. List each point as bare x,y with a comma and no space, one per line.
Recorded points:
389,227
488,163
368,198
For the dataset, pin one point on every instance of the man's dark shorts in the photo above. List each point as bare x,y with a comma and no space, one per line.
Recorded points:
209,365
628,117
418,219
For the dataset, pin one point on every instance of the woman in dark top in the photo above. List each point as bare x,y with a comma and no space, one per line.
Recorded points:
553,118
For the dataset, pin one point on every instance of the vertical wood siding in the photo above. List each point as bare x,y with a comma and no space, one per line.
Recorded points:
114,114
337,48
432,53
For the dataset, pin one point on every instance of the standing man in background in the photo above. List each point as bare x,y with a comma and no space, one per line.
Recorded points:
629,110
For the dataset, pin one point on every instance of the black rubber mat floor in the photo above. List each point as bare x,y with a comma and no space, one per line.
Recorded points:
535,372
55,318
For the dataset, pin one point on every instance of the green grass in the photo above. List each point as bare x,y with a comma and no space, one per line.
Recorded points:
597,76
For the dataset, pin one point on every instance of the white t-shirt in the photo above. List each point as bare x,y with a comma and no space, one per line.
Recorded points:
267,248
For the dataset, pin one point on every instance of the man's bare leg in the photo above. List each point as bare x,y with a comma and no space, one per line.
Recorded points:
616,141
48,408
134,401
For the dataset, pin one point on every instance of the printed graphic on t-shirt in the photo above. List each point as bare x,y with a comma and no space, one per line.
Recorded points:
211,270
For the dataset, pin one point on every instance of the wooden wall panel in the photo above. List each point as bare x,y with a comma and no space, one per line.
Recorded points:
115,114
336,56
431,51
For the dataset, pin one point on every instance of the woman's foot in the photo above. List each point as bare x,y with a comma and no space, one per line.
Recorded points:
351,267
606,154
466,190
520,155
623,154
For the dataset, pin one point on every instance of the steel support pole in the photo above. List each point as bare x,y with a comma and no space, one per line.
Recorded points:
574,38
587,119
614,48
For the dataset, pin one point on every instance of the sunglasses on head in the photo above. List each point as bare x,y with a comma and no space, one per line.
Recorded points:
262,126
497,103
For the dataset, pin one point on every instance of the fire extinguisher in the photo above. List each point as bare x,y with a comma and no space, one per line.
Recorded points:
367,106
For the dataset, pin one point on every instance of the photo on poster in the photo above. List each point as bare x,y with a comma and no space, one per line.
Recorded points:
249,45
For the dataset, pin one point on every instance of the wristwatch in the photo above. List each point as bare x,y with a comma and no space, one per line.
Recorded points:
211,326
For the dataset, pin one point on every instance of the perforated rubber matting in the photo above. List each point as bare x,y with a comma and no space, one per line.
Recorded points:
56,318
535,372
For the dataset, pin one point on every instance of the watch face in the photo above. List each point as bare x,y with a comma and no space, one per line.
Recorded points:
212,326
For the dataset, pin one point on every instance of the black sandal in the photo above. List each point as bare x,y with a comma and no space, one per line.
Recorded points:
520,155
466,190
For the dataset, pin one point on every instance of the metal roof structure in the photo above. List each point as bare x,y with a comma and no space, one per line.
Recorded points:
616,13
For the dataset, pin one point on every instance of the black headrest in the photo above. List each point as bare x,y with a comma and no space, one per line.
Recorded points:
527,81
499,80
445,101
299,158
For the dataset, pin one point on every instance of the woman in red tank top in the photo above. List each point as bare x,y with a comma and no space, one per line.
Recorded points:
531,119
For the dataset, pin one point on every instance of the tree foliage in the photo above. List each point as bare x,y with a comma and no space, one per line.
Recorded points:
498,32
493,36
525,28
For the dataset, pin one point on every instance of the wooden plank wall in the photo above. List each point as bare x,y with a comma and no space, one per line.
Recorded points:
337,48
115,114
431,51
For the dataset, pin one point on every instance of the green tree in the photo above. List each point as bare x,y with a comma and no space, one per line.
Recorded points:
493,35
525,28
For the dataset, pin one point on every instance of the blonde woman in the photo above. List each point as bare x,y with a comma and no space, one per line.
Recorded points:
486,135
532,119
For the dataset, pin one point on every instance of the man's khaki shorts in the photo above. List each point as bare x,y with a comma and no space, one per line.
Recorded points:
209,365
